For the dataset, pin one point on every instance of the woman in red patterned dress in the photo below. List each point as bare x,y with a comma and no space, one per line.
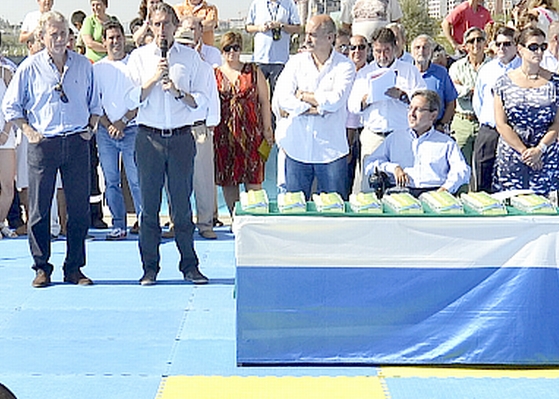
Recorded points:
246,121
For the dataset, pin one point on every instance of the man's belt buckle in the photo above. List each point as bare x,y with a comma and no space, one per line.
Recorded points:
166,132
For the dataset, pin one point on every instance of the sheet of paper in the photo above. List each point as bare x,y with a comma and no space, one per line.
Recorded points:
379,82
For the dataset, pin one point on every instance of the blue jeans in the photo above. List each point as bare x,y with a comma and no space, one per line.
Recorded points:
109,151
70,155
330,177
172,159
271,73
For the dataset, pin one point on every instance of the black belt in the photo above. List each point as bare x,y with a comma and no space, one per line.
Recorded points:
468,116
199,123
384,134
167,132
485,125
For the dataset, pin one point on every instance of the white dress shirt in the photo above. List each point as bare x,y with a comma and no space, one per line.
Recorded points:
314,138
388,114
211,55
549,62
430,160
160,109
211,113
482,100
113,82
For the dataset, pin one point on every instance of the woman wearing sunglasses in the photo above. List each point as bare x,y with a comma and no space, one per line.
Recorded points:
246,122
526,102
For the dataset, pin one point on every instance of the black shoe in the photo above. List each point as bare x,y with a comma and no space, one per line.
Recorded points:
169,233
148,278
217,222
193,275
41,280
77,278
135,229
99,224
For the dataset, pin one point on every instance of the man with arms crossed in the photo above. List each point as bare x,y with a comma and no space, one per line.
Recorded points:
53,100
313,89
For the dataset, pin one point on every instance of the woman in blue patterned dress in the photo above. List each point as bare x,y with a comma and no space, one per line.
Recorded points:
526,102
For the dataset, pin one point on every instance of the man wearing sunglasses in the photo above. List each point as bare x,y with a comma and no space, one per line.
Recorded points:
485,144
53,100
463,73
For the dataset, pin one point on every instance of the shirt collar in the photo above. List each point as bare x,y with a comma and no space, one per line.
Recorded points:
157,51
424,136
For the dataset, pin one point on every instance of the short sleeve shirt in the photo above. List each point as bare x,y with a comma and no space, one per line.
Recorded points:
463,17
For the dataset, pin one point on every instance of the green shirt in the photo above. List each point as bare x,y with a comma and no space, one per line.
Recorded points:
92,26
464,72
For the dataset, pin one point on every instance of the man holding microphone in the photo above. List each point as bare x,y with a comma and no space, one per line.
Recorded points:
169,88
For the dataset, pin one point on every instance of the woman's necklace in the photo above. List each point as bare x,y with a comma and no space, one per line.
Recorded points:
531,76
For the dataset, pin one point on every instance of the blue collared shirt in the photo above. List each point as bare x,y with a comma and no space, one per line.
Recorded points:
437,79
430,160
32,95
482,101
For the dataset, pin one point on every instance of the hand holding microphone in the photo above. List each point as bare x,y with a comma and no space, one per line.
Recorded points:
163,67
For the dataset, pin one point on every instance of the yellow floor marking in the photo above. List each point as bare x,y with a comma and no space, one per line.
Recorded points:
179,387
450,372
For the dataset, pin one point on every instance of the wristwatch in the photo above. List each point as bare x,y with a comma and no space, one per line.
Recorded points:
125,120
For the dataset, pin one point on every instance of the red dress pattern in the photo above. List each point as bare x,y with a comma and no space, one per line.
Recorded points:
240,132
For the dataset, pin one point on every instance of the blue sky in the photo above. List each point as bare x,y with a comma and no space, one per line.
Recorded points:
125,10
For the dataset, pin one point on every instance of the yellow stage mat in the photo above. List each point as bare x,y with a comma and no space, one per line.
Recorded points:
180,387
451,372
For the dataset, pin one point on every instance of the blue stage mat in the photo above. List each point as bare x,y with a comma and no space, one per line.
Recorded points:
465,388
119,340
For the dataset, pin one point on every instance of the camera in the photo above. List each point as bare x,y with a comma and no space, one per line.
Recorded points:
276,34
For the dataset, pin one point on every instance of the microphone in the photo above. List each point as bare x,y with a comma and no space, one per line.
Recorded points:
164,46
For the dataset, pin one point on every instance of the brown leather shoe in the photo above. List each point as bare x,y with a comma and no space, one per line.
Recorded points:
208,234
41,280
77,278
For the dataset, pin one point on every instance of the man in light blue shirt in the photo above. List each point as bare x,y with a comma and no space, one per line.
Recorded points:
436,78
421,158
485,145
272,22
53,100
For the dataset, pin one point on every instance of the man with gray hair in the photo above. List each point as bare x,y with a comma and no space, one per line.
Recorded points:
464,74
421,158
53,100
436,78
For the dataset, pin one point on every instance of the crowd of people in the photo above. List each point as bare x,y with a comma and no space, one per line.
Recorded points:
182,115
